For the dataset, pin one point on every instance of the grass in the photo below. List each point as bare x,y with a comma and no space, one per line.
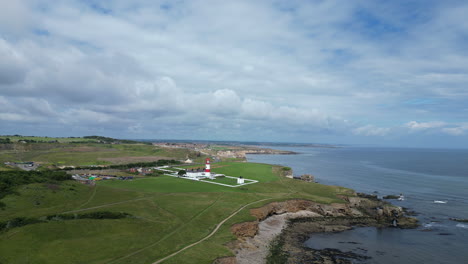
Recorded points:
48,139
254,171
170,213
86,154
224,180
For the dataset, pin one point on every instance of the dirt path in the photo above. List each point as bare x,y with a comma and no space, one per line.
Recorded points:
90,197
170,234
212,232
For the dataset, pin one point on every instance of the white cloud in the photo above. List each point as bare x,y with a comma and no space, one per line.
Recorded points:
370,130
415,126
458,130
316,67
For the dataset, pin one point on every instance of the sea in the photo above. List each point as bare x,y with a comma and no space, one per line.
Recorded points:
434,183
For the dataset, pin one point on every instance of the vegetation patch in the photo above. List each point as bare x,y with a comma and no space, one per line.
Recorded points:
276,254
9,180
161,162
23,221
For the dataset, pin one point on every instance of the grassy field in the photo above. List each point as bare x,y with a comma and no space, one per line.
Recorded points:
46,139
61,154
168,214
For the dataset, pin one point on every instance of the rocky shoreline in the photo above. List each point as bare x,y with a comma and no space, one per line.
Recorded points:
251,151
281,228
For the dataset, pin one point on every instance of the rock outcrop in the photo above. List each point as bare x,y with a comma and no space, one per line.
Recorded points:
306,217
246,229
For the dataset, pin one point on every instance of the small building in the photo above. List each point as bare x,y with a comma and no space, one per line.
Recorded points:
240,180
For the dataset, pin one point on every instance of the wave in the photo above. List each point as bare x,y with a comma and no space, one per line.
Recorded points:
462,226
433,225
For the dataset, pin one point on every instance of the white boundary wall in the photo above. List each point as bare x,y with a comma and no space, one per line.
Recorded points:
174,174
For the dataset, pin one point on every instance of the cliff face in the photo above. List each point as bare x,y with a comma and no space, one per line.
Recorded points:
355,211
243,153
293,206
356,207
246,229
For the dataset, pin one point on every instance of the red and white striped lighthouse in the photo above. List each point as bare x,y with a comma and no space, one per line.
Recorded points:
207,167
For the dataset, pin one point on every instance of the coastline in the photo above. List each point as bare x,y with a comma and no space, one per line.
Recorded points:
282,227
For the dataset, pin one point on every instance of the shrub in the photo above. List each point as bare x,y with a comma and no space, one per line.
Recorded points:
3,225
22,221
104,215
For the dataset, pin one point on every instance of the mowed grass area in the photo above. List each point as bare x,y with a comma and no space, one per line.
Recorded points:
168,214
88,153
224,180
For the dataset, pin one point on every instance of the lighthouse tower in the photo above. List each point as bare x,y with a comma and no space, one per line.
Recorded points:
207,168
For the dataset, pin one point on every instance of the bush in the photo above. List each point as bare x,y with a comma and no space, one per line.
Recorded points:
9,180
60,217
103,215
3,225
22,221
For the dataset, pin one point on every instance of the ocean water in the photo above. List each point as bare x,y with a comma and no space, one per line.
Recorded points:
422,175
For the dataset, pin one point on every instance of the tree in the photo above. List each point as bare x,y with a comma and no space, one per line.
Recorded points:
181,173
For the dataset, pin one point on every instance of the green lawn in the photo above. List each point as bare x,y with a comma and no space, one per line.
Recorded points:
254,171
224,180
169,213
167,184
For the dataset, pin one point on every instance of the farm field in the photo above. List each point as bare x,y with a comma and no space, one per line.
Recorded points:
85,154
16,138
167,214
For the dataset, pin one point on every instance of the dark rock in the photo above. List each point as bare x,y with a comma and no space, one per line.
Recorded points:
368,196
459,220
445,234
364,210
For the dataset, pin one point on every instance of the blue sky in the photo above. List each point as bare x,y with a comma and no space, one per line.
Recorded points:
391,73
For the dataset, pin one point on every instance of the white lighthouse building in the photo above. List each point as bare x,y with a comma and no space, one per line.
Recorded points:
207,168
202,174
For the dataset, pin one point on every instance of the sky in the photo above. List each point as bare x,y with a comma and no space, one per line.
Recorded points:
385,73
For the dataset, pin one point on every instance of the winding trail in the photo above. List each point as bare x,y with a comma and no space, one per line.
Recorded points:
212,232
170,234
90,198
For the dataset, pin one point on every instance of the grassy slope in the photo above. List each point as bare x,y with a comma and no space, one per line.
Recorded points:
170,213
